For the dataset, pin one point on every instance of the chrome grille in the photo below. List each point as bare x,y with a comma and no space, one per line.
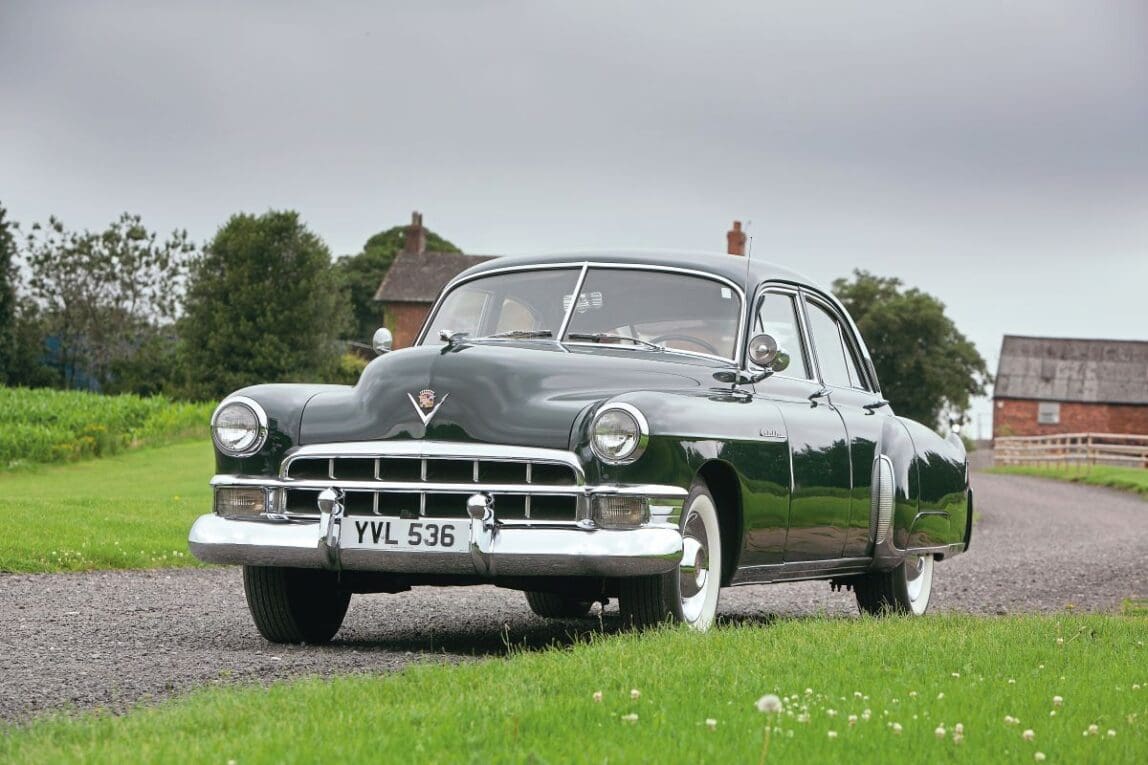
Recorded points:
531,489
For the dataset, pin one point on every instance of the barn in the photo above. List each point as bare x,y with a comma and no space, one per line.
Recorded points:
1045,386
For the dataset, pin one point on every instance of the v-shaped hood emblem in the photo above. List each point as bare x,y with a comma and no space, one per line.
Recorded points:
425,406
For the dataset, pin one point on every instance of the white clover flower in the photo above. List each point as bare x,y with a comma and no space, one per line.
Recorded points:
956,674
913,694
852,720
1011,681
597,697
831,712
1052,713
1010,720
768,704
832,734
958,739
630,718
940,695
866,714
803,717
1028,735
1057,701
808,691
856,694
1060,641
1111,733
940,731
1093,729
1038,756
959,729
1136,686
635,694
711,723
897,729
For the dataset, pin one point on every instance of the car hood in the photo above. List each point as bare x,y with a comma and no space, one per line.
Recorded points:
528,394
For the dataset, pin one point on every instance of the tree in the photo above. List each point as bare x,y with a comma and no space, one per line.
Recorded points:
7,296
263,305
361,274
926,366
103,295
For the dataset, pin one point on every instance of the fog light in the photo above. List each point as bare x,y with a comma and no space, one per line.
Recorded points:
612,512
231,502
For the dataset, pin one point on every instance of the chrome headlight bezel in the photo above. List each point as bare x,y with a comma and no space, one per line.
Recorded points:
639,433
258,430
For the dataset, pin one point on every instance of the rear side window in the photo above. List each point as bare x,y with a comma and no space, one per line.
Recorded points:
838,366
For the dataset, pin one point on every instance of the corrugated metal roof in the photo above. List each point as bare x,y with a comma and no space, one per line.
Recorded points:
1058,369
418,278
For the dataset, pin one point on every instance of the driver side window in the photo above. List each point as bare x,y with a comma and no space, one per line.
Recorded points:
777,316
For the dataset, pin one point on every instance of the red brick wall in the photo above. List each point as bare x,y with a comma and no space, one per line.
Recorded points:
404,320
1017,417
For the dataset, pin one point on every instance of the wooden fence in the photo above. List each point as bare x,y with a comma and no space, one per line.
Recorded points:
1072,449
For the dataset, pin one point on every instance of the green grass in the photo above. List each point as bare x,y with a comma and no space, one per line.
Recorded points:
128,511
539,707
1127,479
50,426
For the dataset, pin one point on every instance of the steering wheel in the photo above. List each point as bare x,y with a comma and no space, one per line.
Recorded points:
660,339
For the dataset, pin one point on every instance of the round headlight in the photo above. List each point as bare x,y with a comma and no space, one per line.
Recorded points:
239,427
619,434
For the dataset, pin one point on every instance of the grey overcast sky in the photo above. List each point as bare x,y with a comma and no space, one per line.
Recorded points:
994,154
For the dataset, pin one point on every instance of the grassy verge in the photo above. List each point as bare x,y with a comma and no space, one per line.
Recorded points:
50,426
867,690
128,511
1126,479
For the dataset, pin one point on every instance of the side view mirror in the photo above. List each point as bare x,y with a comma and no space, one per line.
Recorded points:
383,341
764,352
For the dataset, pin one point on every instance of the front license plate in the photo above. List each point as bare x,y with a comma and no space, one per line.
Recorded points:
403,534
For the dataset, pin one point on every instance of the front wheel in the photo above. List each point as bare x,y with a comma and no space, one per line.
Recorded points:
904,590
295,605
688,594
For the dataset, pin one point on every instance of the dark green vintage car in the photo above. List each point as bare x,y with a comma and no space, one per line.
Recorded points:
644,427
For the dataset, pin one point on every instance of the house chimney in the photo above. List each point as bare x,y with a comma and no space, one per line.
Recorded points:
735,240
415,236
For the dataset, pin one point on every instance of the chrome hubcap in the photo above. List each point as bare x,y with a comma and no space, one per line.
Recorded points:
693,571
917,575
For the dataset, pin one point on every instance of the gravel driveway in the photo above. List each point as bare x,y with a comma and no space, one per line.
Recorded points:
112,639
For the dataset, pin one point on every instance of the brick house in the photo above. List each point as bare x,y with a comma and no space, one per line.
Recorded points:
414,280
1048,385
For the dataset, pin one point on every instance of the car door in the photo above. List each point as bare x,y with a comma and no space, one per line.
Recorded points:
818,508
855,395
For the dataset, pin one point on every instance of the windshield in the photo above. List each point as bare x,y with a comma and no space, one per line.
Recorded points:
624,307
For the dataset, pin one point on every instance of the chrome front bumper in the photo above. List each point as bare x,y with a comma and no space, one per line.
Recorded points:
492,552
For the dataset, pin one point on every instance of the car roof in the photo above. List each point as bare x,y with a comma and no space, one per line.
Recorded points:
730,267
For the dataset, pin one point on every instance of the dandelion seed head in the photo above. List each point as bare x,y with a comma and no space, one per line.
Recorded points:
768,704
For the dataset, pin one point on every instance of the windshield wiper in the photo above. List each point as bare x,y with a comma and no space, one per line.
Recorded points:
520,334
598,337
